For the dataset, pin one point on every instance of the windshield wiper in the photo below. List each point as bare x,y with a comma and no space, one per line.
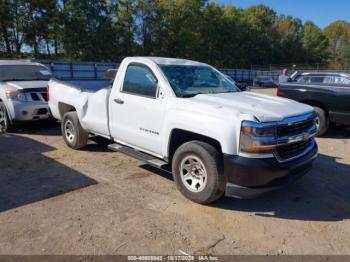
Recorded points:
20,79
187,95
13,79
225,92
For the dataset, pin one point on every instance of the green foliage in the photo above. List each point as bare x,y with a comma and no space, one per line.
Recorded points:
88,31
222,35
338,34
315,42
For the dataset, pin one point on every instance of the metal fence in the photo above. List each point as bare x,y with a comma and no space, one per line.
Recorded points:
94,71
299,67
78,70
246,75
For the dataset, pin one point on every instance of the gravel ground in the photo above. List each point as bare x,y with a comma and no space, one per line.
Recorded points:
54,200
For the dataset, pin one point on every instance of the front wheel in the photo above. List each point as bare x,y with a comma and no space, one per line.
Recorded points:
198,173
322,121
73,133
5,123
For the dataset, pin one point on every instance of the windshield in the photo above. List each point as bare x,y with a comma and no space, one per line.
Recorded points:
188,81
24,73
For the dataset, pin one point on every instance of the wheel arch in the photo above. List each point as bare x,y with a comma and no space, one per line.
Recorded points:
180,136
10,118
64,108
311,102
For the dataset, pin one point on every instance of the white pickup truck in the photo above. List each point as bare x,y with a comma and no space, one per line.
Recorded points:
189,118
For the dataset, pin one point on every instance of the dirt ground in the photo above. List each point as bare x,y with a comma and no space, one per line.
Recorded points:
54,200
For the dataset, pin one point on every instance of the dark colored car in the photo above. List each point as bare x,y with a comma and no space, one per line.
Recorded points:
328,93
243,86
264,82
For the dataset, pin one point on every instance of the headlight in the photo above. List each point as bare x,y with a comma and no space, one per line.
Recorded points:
257,137
16,95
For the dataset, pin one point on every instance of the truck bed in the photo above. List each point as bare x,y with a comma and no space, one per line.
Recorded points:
88,99
87,86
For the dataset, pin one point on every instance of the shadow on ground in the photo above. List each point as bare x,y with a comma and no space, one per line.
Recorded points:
163,173
322,195
98,144
337,132
43,127
28,176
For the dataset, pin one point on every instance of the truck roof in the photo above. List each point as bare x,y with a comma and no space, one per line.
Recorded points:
17,62
170,61
324,73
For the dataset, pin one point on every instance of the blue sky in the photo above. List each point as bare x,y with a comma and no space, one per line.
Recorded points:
321,12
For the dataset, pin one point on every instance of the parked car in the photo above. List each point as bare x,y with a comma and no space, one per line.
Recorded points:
264,82
23,94
189,116
241,85
328,93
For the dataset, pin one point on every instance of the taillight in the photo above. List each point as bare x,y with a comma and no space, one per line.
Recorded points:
278,91
48,91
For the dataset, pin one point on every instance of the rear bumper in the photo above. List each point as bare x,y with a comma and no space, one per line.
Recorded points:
250,177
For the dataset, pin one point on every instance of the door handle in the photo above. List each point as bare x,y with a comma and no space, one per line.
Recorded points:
119,101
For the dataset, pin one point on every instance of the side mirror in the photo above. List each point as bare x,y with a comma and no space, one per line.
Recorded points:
161,93
110,74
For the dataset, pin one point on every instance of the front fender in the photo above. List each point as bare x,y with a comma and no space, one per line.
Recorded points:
220,129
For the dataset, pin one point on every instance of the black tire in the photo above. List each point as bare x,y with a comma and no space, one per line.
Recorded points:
5,123
211,159
323,121
341,127
79,135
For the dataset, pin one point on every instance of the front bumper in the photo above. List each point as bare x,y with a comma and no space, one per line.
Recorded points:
251,177
29,111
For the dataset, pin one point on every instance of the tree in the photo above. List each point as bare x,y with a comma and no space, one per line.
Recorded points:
290,43
222,35
182,20
261,34
5,24
125,27
338,34
88,30
315,43
17,13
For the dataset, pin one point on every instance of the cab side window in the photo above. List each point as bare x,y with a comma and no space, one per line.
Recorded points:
341,80
315,79
318,79
140,80
304,79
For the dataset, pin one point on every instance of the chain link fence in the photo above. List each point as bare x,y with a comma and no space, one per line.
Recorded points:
299,67
94,71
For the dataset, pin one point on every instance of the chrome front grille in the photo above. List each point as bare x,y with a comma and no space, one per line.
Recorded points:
291,151
295,137
294,128
37,94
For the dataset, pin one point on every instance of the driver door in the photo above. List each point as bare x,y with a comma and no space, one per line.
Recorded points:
138,112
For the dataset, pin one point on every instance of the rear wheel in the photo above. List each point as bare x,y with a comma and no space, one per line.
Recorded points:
322,120
73,133
198,172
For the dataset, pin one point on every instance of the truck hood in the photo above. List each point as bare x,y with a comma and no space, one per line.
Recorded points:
22,85
263,107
